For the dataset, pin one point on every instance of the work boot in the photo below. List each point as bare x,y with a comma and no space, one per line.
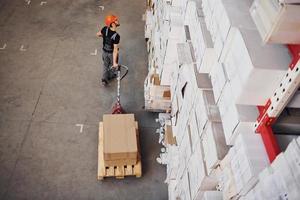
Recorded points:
104,82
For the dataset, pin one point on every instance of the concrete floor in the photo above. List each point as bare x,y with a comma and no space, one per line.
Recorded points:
54,85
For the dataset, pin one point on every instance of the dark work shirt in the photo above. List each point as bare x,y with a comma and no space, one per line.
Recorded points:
109,39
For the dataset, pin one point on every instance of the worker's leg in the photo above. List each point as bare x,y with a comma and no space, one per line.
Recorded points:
112,71
106,66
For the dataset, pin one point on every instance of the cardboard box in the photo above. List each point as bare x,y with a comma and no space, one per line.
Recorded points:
169,138
155,79
120,139
120,162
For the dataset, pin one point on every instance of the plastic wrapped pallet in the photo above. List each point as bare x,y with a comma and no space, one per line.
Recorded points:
248,64
277,22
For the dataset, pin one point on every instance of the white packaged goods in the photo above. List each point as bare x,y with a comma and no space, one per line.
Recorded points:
148,24
284,178
171,189
183,187
214,146
224,14
249,63
184,53
212,195
172,162
218,79
237,119
207,59
199,179
226,178
205,109
292,156
248,159
185,152
280,180
193,127
200,37
277,22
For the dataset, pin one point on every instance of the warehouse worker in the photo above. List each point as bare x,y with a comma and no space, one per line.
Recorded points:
110,48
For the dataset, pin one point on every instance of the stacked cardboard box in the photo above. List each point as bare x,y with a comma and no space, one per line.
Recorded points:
118,148
120,140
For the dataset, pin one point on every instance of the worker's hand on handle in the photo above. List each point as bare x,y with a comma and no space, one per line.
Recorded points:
115,65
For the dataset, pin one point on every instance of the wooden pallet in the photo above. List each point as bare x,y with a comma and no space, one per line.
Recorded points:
116,171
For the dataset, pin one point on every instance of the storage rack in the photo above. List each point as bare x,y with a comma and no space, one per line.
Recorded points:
276,104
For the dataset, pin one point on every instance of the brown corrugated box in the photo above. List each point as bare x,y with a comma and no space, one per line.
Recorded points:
120,141
169,138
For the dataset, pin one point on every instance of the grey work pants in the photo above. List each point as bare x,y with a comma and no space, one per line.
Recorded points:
108,73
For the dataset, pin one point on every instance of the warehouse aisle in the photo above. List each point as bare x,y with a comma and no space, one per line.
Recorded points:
50,86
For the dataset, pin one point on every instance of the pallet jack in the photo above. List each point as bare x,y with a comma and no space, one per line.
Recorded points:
126,166
117,108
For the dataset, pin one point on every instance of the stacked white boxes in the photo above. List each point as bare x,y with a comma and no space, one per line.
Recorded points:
211,56
248,158
277,21
280,180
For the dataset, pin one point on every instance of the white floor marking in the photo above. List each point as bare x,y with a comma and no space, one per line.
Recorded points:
22,48
94,53
43,2
3,47
101,7
81,127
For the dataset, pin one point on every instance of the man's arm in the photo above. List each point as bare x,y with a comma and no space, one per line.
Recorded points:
115,55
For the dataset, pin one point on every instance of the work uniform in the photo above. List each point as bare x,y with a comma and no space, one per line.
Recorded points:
109,39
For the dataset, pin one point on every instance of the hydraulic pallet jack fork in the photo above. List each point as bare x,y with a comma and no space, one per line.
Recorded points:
117,108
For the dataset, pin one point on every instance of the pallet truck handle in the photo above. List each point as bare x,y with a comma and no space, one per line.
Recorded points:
126,70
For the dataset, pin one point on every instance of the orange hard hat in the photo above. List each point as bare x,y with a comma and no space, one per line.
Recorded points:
109,19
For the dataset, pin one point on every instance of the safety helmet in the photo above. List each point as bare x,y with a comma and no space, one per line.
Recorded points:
109,19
